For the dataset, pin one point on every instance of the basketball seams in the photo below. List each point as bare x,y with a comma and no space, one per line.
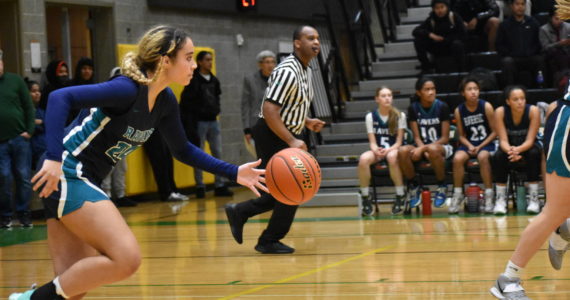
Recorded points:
292,171
275,181
313,173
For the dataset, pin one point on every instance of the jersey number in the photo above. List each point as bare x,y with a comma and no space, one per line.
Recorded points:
385,142
119,151
429,134
478,134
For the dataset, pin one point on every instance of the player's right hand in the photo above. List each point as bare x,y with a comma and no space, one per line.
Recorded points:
296,143
48,176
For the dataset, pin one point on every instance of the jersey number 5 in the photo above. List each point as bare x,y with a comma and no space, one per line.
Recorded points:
119,151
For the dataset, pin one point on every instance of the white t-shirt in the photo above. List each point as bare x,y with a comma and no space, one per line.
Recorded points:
402,123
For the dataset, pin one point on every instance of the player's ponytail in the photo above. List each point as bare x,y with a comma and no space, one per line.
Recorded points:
563,9
157,42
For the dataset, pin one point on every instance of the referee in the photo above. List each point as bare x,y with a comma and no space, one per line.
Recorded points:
282,120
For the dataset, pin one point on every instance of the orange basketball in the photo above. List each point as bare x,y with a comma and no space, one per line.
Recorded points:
293,176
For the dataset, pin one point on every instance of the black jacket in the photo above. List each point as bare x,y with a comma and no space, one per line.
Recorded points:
480,9
518,39
201,98
450,27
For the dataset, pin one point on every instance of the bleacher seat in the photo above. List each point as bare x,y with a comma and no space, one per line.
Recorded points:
487,60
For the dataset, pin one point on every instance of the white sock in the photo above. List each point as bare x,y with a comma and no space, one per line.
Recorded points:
58,289
501,190
400,190
457,191
533,188
557,242
364,191
512,270
489,192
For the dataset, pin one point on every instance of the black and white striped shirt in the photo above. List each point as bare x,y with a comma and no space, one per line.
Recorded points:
290,86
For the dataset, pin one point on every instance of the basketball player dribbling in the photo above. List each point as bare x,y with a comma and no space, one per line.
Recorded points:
89,241
557,185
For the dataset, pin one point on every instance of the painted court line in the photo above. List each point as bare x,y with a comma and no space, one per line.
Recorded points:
332,265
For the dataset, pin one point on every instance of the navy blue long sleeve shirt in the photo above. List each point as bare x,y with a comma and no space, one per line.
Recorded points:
115,120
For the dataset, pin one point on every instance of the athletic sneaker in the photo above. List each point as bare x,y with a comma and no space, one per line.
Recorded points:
5,222
414,195
559,239
500,205
27,295
533,204
440,195
455,203
398,203
367,208
489,205
508,288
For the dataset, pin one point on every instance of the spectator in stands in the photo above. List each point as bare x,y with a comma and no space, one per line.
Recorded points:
429,122
84,72
57,75
480,17
201,100
385,127
254,87
517,125
555,41
440,35
16,129
38,141
475,125
518,44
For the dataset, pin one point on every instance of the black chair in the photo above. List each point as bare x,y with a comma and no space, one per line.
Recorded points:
448,82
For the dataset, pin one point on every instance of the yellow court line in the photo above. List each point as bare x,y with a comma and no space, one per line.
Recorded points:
332,265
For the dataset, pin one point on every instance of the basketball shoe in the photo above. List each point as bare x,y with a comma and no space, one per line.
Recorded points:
508,288
558,244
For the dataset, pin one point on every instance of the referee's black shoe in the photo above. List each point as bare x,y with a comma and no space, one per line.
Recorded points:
274,248
236,222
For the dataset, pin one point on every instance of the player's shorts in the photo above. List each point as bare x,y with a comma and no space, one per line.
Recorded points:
556,146
489,147
448,150
74,189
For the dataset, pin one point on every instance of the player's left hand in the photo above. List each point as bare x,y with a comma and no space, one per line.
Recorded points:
314,124
251,177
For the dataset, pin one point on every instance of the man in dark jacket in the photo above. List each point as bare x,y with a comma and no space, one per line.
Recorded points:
480,17
200,102
440,34
518,44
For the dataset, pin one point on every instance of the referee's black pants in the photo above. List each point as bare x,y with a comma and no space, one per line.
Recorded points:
267,144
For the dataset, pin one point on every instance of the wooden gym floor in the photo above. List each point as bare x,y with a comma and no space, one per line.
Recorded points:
189,253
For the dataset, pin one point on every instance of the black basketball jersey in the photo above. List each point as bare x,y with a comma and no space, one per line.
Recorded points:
517,133
382,131
429,120
475,124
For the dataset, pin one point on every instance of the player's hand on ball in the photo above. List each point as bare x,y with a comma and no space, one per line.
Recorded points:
251,177
48,176
296,143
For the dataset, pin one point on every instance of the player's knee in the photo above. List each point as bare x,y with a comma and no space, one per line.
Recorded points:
128,262
483,157
392,157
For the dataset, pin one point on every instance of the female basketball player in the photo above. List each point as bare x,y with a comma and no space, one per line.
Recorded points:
429,121
90,242
385,127
556,211
476,135
517,124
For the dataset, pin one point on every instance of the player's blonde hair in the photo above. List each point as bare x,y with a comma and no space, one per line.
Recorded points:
159,41
394,114
563,9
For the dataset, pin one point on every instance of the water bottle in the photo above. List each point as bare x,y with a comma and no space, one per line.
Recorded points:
540,79
521,199
481,201
473,193
426,202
